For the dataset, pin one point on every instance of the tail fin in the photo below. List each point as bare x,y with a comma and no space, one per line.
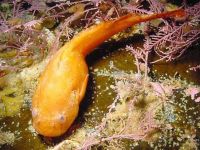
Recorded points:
87,40
175,13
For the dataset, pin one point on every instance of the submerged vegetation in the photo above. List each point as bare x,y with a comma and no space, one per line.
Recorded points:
156,114
148,112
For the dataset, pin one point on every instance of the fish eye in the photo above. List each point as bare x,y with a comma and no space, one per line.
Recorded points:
60,117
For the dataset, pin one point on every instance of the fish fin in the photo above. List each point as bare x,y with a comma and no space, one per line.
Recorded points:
83,88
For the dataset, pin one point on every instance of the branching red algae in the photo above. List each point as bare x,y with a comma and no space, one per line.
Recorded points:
62,85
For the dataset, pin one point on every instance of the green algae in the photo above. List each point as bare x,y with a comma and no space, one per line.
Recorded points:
8,54
11,95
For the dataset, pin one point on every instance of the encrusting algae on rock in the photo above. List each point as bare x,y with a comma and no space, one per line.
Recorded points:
149,115
11,95
62,85
16,89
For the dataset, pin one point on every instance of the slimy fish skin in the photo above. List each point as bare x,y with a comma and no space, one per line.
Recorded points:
63,83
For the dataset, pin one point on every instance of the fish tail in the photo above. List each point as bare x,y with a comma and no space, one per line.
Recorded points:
175,13
87,40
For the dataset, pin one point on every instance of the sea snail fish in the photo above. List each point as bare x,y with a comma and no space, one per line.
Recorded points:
62,85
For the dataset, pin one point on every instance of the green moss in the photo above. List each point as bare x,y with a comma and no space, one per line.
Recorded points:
11,105
11,96
8,54
6,8
49,23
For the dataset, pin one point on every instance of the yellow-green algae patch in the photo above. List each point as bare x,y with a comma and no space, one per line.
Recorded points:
11,95
16,90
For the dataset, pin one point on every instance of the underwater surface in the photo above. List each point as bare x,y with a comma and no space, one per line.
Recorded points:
130,102
99,95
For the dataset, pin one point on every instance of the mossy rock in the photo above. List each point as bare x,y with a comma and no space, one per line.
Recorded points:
10,102
8,54
49,23
11,96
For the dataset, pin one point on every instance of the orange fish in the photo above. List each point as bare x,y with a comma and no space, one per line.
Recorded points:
62,85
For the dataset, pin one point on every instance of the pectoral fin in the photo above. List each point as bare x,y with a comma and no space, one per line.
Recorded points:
83,88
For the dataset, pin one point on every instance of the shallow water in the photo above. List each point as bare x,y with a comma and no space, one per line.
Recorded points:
99,95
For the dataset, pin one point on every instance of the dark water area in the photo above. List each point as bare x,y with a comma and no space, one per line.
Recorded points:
181,66
20,126
99,96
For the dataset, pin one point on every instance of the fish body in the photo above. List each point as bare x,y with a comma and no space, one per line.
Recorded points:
63,83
